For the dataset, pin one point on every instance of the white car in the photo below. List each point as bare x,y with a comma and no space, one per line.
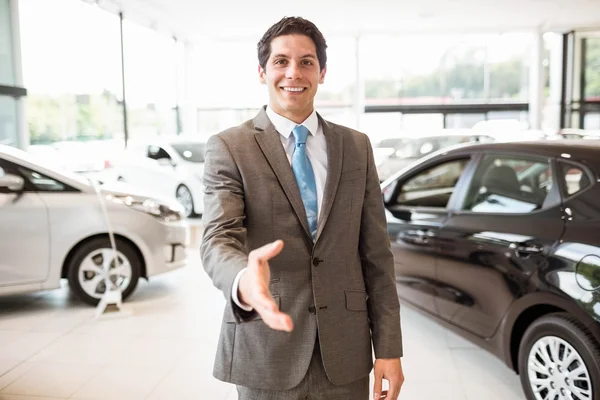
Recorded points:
55,224
169,166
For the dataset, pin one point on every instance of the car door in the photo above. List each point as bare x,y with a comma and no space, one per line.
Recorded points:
416,207
507,221
25,233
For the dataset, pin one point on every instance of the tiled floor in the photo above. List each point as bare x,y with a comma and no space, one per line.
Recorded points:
52,347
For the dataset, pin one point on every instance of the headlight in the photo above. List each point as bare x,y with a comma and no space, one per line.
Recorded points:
164,212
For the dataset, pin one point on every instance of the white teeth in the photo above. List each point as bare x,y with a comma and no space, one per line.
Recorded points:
293,89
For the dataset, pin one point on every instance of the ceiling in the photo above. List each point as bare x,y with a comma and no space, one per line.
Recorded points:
194,20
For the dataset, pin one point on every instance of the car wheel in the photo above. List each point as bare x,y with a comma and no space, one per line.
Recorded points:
86,269
184,197
559,359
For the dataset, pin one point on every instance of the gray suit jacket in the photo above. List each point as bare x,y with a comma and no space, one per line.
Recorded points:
341,287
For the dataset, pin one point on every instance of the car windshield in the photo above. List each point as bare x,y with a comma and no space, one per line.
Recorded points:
192,152
38,160
420,147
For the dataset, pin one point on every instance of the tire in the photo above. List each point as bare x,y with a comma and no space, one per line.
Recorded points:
558,344
88,261
185,198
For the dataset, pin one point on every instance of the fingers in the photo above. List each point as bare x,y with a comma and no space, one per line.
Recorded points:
269,311
278,321
377,385
394,391
266,252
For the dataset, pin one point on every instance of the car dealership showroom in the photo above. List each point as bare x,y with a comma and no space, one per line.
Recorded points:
483,127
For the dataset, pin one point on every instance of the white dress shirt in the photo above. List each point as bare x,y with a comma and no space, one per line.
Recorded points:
316,150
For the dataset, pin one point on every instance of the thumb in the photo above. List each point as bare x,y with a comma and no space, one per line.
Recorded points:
377,385
266,252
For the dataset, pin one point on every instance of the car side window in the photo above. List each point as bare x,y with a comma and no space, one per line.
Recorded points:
574,178
509,185
43,183
433,186
157,153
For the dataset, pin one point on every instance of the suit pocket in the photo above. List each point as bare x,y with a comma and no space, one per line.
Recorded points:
356,300
352,175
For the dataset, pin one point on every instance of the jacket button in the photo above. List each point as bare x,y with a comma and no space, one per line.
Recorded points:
317,261
312,310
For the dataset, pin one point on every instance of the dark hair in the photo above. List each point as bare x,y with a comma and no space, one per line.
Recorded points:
291,26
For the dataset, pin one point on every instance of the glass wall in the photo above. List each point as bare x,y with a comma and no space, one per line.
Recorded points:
455,69
9,112
72,72
8,121
7,72
151,81
592,69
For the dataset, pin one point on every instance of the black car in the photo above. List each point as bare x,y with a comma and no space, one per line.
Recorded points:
501,242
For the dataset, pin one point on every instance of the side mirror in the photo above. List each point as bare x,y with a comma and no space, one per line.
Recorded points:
14,183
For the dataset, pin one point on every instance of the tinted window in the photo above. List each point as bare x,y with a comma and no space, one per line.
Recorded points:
193,152
43,183
432,187
574,179
509,185
157,152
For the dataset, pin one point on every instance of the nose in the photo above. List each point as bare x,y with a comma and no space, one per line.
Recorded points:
293,71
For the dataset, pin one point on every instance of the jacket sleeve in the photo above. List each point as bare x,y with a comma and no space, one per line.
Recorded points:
378,269
223,249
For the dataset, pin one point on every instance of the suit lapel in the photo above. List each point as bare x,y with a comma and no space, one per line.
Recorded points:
334,172
270,143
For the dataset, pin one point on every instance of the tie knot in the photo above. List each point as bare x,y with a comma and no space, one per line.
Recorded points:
300,134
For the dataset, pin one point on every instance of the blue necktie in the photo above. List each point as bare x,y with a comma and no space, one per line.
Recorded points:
305,177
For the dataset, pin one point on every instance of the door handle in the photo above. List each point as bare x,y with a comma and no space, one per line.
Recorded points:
526,250
417,236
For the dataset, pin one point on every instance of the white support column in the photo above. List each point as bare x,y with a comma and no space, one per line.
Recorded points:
551,121
359,100
190,122
536,81
22,129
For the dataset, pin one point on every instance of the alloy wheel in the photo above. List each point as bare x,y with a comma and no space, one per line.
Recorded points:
557,371
92,274
184,197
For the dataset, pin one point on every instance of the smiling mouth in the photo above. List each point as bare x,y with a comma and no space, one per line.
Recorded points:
293,89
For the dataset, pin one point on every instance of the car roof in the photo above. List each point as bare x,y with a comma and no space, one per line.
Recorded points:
551,148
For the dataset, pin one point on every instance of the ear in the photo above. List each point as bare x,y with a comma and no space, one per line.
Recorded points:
261,75
322,76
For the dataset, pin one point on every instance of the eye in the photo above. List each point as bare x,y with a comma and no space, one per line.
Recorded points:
307,62
280,61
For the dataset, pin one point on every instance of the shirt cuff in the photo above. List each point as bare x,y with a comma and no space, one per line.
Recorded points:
234,292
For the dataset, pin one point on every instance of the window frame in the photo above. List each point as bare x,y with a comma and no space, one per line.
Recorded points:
30,187
553,198
420,168
562,179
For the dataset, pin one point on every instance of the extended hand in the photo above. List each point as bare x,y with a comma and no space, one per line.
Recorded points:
390,369
253,287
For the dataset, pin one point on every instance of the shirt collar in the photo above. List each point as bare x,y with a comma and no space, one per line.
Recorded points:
284,126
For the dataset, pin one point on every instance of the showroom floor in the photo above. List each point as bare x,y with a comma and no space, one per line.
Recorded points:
52,347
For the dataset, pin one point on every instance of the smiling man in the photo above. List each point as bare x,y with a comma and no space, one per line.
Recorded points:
295,237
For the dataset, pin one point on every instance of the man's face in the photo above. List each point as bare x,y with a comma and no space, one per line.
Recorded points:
292,75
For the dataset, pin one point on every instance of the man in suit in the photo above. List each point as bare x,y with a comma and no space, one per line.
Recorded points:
295,237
